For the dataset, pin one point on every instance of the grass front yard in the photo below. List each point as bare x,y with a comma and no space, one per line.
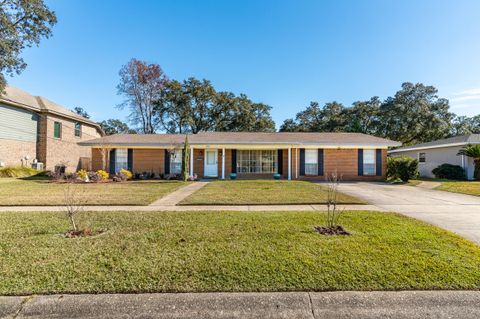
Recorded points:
263,192
42,192
464,187
229,251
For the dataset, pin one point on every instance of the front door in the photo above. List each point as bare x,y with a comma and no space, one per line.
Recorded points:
211,165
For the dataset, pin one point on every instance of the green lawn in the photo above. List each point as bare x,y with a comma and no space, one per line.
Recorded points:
16,192
259,192
464,187
230,251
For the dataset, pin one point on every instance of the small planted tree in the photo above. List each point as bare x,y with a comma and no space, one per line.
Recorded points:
186,160
105,153
73,202
332,227
473,151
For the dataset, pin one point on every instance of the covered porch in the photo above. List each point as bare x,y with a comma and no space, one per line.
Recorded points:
247,161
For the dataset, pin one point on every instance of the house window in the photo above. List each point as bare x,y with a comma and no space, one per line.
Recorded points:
422,157
257,162
57,130
78,129
176,162
121,159
368,162
311,162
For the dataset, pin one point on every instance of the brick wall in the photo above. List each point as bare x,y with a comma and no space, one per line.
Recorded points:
149,160
345,162
198,157
12,151
65,150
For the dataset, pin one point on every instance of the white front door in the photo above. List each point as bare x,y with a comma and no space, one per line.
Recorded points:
211,164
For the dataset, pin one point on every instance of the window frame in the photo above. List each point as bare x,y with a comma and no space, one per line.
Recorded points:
257,161
79,129
55,123
311,154
176,166
365,164
119,165
424,157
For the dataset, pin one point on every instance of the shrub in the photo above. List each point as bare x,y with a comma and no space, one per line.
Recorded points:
102,175
83,174
72,177
94,177
126,173
56,175
14,171
449,171
402,167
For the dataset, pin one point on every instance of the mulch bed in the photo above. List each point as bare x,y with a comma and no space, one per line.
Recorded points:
81,233
332,231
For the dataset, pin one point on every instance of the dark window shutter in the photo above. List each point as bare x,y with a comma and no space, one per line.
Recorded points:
280,162
167,162
111,167
234,161
320,162
302,162
378,162
130,160
360,162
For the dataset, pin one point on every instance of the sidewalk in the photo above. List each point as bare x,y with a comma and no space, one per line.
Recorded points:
350,304
151,208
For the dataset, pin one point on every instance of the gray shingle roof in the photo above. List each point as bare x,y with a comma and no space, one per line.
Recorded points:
15,96
248,138
452,141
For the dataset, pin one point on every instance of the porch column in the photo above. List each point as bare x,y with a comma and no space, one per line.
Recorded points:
296,163
191,161
289,163
223,163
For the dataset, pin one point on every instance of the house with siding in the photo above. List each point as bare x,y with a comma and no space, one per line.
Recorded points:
34,127
432,154
354,156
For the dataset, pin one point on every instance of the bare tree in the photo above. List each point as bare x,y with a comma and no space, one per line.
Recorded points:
73,202
105,153
142,85
333,181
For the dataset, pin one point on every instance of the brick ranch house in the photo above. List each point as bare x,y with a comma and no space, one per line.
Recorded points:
35,128
251,155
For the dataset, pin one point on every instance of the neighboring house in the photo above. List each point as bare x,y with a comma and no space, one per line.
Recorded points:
35,128
251,155
432,154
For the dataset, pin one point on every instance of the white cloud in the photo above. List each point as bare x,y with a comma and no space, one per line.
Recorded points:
466,102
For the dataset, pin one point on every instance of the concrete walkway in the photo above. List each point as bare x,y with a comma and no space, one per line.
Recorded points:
458,213
429,184
180,194
308,305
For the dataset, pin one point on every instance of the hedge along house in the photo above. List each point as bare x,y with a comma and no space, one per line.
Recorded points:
251,155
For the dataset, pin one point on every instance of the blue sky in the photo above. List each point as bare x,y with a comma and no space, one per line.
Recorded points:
283,53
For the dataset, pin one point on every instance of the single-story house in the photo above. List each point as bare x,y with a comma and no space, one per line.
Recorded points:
35,128
250,155
432,154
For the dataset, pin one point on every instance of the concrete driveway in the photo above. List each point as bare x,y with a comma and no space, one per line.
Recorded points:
455,212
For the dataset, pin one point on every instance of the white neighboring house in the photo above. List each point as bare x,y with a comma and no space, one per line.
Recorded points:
444,151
